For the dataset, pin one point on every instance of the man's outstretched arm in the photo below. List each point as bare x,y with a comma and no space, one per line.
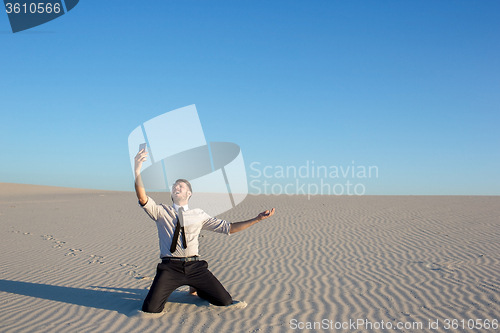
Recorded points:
139,186
238,226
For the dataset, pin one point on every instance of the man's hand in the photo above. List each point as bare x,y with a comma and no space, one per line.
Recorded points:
238,226
265,215
141,156
139,187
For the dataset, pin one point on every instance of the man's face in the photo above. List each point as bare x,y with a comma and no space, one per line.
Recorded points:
180,192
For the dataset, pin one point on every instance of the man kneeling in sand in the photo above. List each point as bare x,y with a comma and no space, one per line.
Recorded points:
178,230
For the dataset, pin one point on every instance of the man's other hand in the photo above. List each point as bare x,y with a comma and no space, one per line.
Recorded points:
265,215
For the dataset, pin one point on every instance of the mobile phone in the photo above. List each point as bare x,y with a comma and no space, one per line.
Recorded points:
142,146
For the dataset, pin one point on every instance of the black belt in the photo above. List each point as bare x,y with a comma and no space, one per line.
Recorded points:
193,258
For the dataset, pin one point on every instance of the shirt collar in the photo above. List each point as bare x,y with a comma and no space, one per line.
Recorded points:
176,207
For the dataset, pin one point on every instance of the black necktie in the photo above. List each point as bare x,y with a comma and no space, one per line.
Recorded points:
179,229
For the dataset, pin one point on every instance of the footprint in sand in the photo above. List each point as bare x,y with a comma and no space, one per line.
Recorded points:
94,259
58,244
18,232
73,252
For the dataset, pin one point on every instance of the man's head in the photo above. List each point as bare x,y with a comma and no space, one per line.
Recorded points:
181,192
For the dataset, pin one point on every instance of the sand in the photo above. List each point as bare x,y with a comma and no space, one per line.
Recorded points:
75,260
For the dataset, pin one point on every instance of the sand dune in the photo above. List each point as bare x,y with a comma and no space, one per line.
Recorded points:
76,260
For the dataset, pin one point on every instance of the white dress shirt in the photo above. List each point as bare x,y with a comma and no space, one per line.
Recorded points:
194,221
176,207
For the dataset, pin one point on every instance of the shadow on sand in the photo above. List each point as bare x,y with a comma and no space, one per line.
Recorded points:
122,300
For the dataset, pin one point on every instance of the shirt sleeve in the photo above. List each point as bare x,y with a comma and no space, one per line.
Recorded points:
216,225
151,208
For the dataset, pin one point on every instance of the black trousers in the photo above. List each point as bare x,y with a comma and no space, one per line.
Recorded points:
171,275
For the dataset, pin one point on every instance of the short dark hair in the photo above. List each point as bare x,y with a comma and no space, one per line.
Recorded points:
185,181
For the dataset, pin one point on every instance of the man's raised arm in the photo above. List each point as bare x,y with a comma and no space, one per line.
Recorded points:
139,186
238,226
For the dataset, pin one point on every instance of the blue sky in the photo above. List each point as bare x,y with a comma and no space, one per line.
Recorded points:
412,87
